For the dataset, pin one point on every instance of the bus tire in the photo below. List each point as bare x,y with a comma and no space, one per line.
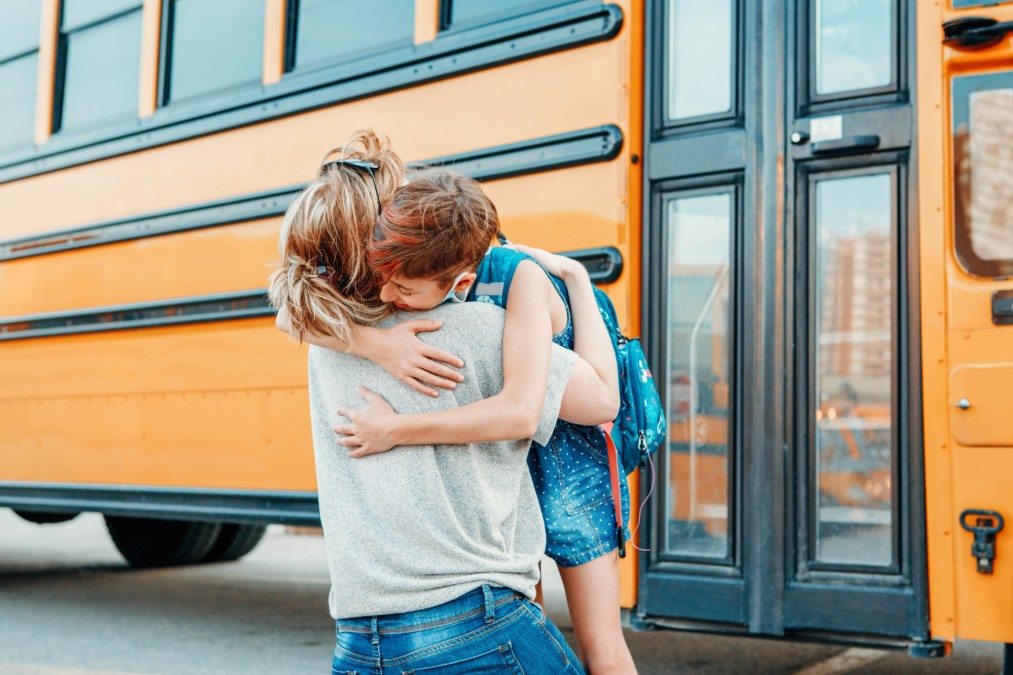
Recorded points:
234,541
161,543
42,518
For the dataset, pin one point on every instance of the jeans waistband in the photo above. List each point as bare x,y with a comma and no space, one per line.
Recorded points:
481,601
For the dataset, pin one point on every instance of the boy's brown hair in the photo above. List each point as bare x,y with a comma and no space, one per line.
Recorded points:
438,225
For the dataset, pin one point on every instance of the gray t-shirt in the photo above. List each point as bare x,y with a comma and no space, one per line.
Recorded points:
418,526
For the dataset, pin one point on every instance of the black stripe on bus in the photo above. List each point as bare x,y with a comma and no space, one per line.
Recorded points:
604,266
175,312
596,144
235,506
451,54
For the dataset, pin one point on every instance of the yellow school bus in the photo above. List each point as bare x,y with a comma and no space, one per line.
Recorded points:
802,206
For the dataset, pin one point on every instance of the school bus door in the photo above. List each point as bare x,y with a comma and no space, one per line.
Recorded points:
778,249
968,129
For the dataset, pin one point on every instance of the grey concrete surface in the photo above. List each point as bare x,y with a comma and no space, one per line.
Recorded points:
70,606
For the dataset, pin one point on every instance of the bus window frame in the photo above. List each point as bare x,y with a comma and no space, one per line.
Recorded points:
447,24
962,88
662,125
165,47
291,65
28,146
60,80
449,55
809,102
803,498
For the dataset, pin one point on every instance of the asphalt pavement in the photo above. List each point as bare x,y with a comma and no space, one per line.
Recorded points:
69,605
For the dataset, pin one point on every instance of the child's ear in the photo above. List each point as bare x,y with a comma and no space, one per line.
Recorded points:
465,282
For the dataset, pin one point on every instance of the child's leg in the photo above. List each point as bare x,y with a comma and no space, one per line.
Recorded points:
592,594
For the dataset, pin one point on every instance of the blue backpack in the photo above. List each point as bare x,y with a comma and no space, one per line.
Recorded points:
639,430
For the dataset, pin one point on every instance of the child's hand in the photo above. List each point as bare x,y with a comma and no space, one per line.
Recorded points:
369,429
402,354
556,265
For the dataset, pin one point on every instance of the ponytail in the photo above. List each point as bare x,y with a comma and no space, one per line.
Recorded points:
323,280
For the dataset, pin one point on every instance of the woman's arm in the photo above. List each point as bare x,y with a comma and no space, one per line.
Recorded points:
514,412
509,415
397,350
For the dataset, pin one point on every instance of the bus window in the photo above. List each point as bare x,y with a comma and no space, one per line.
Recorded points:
700,59
101,64
854,45
322,31
19,60
213,46
983,161
473,12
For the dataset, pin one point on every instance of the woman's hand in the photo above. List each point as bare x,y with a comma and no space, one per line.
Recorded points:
371,429
556,265
401,353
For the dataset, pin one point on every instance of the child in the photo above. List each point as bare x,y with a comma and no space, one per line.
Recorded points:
430,245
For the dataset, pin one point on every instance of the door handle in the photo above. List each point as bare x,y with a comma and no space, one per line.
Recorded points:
974,32
1002,308
863,142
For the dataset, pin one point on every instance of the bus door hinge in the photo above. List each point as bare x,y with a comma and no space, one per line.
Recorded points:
986,525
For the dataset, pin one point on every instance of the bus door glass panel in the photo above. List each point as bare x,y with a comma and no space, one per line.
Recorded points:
983,165
699,59
854,370
854,47
699,311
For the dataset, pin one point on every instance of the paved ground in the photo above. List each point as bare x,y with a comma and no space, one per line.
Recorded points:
70,606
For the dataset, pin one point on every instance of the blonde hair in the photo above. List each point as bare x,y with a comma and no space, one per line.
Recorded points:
324,281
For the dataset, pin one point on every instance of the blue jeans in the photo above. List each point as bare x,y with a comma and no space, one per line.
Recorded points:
489,630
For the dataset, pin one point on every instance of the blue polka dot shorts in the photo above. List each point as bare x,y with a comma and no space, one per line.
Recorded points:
571,478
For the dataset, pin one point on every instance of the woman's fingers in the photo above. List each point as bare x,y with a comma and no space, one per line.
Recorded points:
422,325
437,354
433,380
344,429
438,368
350,441
418,386
360,451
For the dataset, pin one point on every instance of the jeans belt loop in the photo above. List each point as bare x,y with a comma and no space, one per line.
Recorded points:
490,604
375,631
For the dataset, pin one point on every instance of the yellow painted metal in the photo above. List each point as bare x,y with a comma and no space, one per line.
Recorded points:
223,404
48,37
980,413
427,20
151,40
968,458
461,115
274,41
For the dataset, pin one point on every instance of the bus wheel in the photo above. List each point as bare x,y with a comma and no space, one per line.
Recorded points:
161,543
235,541
46,518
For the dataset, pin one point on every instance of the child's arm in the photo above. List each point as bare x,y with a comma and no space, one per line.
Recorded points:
591,340
397,350
514,412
